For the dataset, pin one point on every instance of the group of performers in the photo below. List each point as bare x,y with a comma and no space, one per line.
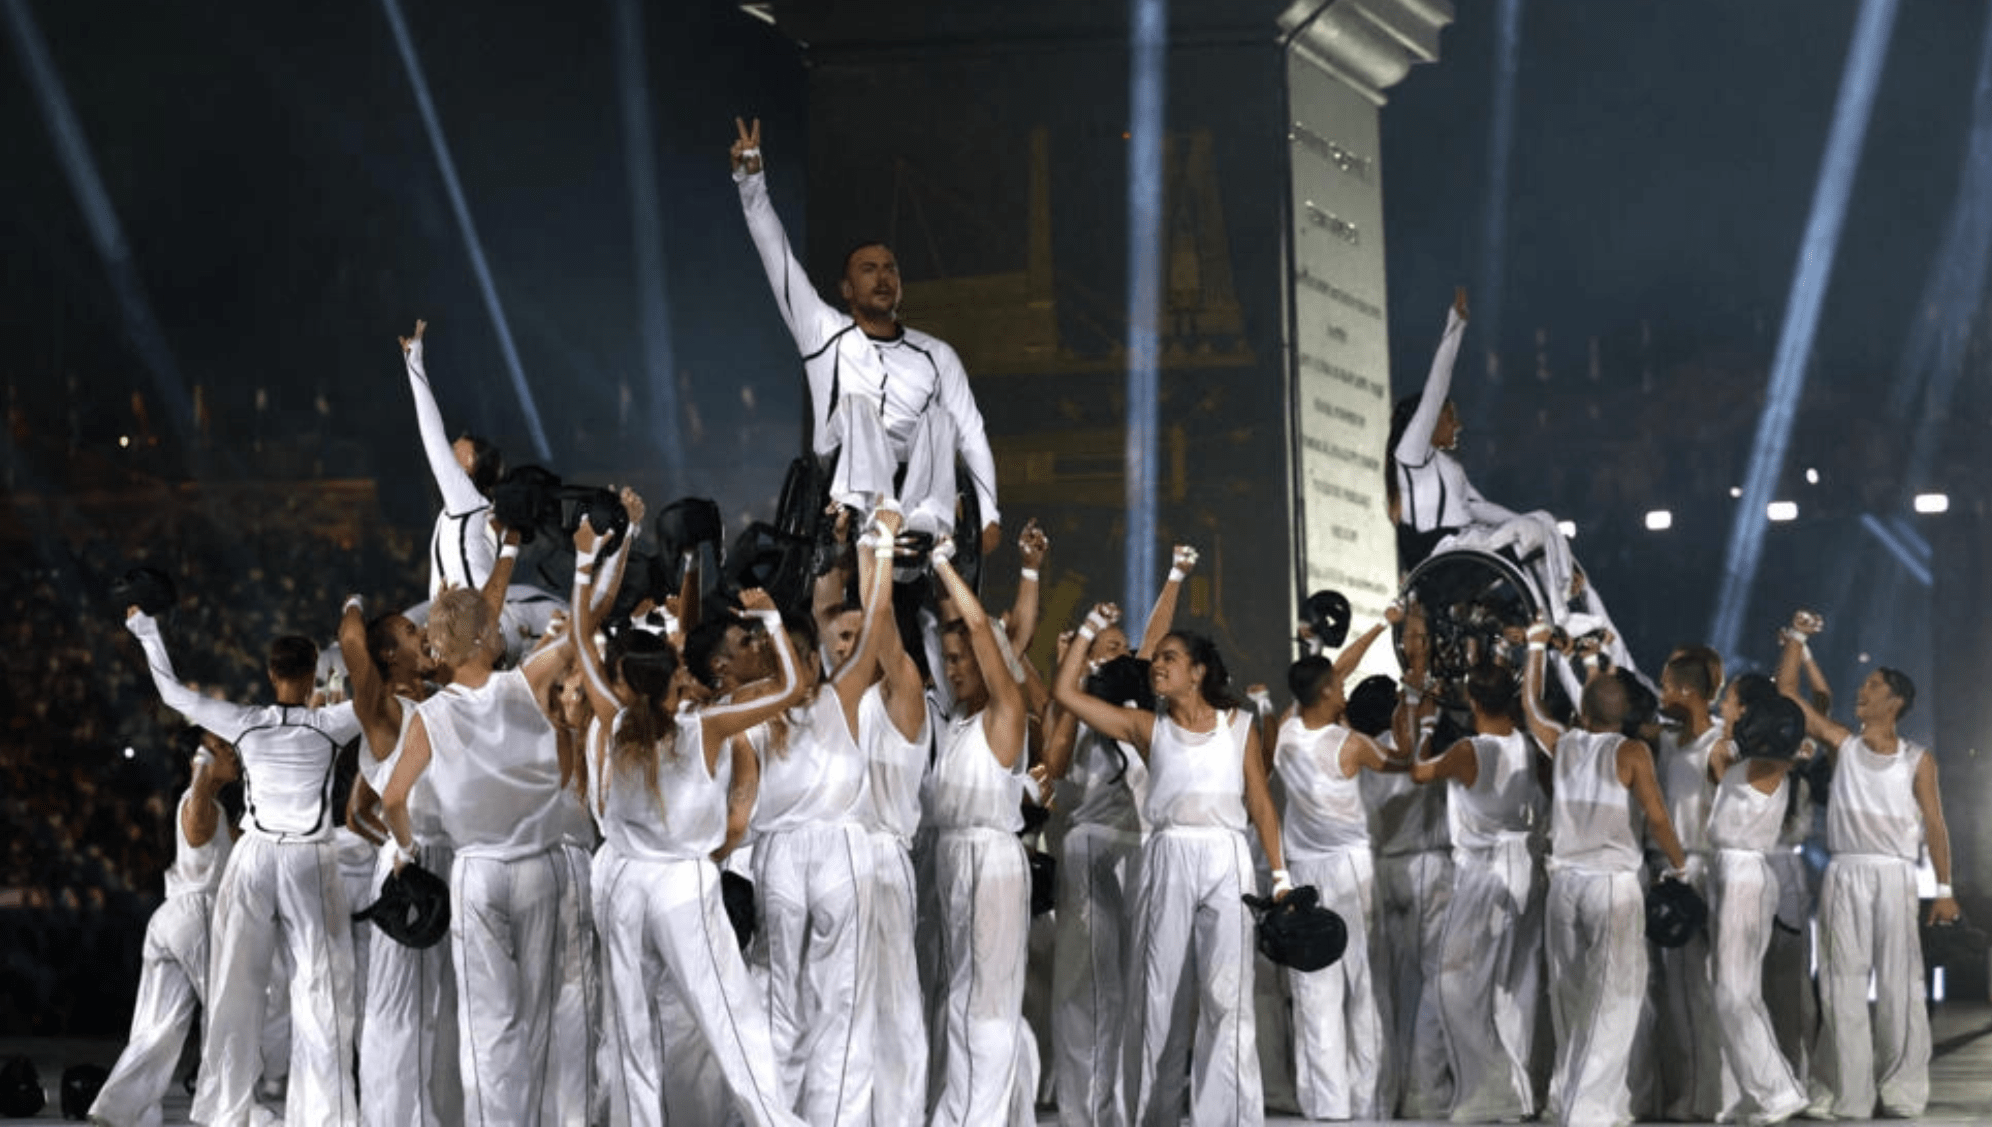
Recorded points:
591,776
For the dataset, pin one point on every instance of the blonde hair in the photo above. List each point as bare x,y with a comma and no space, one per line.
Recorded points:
460,626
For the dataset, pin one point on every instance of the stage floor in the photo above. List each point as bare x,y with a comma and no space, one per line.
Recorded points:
1960,1074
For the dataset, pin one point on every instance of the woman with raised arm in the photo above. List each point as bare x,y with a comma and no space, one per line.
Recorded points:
661,785
1205,775
981,877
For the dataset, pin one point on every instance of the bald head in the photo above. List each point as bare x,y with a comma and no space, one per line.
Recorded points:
1605,703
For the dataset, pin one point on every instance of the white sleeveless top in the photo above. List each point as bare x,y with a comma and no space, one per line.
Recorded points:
1683,770
197,868
495,768
817,777
1873,808
1744,817
423,815
1103,783
1196,780
1594,824
1404,817
1324,808
685,817
897,767
969,789
1504,802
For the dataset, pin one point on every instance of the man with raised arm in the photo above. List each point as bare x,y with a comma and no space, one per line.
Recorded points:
1885,807
892,402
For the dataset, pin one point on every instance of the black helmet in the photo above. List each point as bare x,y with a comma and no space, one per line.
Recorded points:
1327,615
80,1085
736,894
1770,729
147,588
1298,932
413,909
1044,882
21,1092
1674,912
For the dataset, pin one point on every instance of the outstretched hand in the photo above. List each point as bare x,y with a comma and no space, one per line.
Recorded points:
1459,301
747,147
408,343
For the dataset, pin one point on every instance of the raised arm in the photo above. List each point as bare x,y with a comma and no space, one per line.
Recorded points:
226,720
721,723
376,709
1163,615
1032,544
861,670
1459,763
214,765
1828,731
1415,447
1131,726
810,319
1545,730
602,696
1352,654
460,496
904,692
1003,720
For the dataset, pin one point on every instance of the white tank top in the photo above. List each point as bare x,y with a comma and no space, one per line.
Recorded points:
1102,782
685,817
1743,817
1873,808
1683,770
1324,807
969,788
197,868
1504,800
817,777
1404,817
896,764
423,814
1196,780
1594,823
495,768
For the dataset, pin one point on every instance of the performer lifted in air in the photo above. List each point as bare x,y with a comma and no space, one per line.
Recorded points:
892,402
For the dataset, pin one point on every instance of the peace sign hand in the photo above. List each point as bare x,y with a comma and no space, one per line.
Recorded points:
747,147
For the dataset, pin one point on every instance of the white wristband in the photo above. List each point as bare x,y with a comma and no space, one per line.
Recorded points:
1944,892
1411,695
1535,646
772,619
1177,575
404,854
353,603
1029,573
509,552
586,559
1282,881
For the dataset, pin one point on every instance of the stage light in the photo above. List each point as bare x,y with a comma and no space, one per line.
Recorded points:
130,753
1933,502
1781,511
1859,79
1736,491
1812,477
1568,528
124,440
1148,58
646,211
1659,520
433,124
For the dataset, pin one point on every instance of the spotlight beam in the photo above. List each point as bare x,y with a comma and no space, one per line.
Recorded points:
1903,554
79,166
1858,82
1148,46
434,127
653,308
1500,147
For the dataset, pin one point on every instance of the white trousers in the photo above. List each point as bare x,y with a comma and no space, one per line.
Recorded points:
1192,950
570,1098
1867,925
408,1045
1788,988
899,1064
1089,973
867,464
503,919
678,977
603,868
1687,1038
989,1062
1596,934
1756,1078
1490,981
275,894
172,982
814,884
1337,1030
1412,892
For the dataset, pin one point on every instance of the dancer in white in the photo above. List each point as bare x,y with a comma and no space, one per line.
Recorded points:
1688,1042
663,780
988,1062
1490,977
492,755
1192,935
1749,810
1338,1030
281,886
172,980
1605,800
1097,780
1884,807
885,398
